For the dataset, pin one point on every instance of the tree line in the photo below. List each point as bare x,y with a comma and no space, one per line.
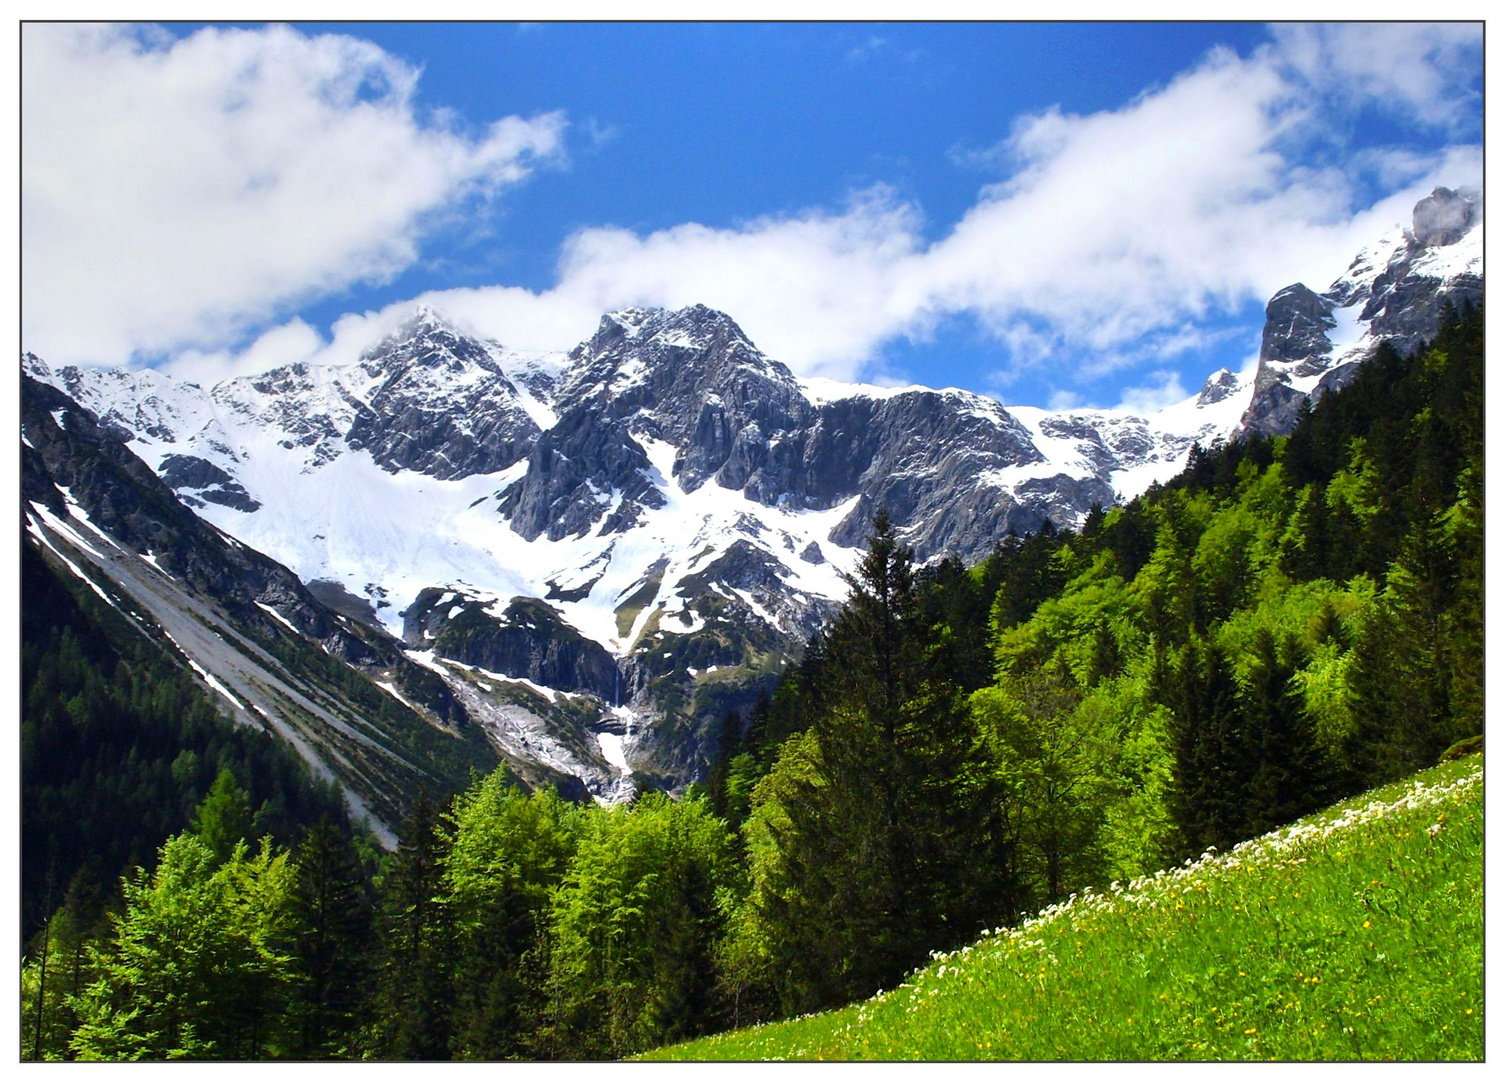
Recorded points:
1289,621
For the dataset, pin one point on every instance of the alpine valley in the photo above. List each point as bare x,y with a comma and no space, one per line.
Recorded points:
450,553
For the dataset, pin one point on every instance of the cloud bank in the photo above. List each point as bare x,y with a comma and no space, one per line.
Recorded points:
1106,242
179,192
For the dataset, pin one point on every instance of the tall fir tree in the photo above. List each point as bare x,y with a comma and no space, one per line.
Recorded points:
413,1016
1287,773
883,831
1208,788
332,923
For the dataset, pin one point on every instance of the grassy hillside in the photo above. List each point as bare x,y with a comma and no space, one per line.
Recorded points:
1357,933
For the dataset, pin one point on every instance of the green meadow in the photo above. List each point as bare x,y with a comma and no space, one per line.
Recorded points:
1354,934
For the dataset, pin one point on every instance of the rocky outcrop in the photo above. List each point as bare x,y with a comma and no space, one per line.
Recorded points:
691,378
920,455
579,471
526,639
198,481
1220,385
1297,322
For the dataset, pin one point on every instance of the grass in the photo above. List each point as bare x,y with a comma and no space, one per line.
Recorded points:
1355,934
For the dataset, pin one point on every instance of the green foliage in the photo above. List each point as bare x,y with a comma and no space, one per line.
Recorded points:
199,963
509,854
223,819
635,926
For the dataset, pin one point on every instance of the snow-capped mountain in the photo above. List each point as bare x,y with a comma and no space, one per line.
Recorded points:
1394,291
634,536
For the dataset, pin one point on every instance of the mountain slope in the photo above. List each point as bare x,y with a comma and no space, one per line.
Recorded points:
343,695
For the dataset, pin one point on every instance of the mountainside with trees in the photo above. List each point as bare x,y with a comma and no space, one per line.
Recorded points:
1291,620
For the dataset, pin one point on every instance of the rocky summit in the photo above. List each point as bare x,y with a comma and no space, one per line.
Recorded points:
1394,291
601,553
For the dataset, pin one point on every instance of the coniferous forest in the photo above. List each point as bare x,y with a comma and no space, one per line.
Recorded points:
1290,621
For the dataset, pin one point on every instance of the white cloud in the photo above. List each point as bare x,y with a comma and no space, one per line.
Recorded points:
176,192
1163,388
1422,70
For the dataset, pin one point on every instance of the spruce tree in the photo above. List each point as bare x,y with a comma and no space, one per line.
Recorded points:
1286,771
1208,793
332,923
413,1019
883,830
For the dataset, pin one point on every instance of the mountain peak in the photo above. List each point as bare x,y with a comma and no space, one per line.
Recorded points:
33,365
1444,216
1219,385
627,320
425,319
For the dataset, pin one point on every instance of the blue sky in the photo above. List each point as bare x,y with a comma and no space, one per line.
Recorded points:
1057,214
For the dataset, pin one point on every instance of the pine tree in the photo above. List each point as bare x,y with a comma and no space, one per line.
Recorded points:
881,833
1198,688
1286,772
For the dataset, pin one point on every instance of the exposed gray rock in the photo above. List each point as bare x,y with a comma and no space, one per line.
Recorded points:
1297,322
528,640
576,470
1443,217
1218,386
1274,407
690,377
198,481
444,407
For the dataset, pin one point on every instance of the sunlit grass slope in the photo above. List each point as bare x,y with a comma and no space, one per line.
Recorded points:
1357,933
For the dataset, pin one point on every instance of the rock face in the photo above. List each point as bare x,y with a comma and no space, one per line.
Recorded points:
198,481
1395,291
634,537
581,469
442,406
1297,322
525,640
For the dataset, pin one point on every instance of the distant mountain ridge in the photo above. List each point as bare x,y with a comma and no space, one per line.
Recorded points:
635,536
